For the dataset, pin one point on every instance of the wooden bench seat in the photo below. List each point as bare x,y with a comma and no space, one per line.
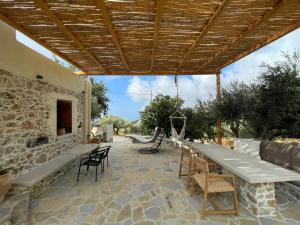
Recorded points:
215,185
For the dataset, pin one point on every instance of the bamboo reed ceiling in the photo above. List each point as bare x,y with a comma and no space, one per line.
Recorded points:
152,37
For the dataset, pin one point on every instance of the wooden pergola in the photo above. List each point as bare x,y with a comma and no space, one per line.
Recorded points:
140,37
152,37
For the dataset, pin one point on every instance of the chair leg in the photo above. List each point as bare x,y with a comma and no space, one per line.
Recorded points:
102,166
235,203
96,173
180,168
107,160
193,187
87,168
78,173
204,205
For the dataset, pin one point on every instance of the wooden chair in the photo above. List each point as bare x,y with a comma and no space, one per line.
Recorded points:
213,183
186,162
213,166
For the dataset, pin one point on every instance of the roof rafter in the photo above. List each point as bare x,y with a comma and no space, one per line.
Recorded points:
41,4
203,32
278,4
265,42
106,17
159,9
28,34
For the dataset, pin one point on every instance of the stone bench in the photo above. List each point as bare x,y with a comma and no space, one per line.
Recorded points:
43,177
14,210
286,155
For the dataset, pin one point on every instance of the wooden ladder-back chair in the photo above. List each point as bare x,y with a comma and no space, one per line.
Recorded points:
213,183
186,162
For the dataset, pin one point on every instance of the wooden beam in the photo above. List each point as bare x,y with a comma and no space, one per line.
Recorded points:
270,39
147,73
203,32
20,28
278,5
41,4
218,124
159,9
107,20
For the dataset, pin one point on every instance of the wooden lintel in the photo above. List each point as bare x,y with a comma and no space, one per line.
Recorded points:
149,73
112,31
278,5
20,28
41,4
159,9
203,32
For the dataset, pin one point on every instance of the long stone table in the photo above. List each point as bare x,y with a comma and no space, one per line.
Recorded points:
256,178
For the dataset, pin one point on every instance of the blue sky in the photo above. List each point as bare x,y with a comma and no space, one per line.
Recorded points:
129,94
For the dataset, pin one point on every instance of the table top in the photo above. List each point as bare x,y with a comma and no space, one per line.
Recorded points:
82,149
246,167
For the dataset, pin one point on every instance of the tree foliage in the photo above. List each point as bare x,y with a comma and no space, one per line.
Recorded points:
117,122
99,104
201,121
158,113
277,94
234,105
270,106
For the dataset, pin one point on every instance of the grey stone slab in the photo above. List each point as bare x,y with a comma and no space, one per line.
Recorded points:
158,201
124,199
87,208
39,173
82,149
246,167
146,187
153,213
173,186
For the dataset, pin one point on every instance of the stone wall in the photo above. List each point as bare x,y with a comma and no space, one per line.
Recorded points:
259,198
28,121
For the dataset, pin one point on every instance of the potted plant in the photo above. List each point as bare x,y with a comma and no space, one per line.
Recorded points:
61,129
5,182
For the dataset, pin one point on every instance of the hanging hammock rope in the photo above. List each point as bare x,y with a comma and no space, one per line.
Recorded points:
177,115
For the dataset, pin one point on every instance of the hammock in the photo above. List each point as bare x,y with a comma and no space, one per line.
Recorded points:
141,139
174,133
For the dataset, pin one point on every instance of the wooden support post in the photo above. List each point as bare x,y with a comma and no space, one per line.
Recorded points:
219,128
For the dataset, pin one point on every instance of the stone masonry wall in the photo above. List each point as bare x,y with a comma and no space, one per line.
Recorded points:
259,199
26,137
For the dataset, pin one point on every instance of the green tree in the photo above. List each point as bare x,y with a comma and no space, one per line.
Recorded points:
277,99
201,121
117,122
158,113
233,105
99,101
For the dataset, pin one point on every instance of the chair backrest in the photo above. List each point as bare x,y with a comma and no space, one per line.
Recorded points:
98,154
188,154
201,165
105,149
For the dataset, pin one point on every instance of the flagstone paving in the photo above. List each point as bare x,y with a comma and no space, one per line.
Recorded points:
138,189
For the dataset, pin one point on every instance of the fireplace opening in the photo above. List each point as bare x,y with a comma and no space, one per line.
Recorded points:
64,117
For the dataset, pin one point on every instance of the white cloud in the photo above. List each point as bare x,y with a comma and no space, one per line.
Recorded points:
248,68
190,88
202,87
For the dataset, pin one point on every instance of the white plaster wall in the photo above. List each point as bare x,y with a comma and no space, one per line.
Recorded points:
23,61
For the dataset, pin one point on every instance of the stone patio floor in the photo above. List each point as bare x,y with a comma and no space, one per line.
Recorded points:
139,190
